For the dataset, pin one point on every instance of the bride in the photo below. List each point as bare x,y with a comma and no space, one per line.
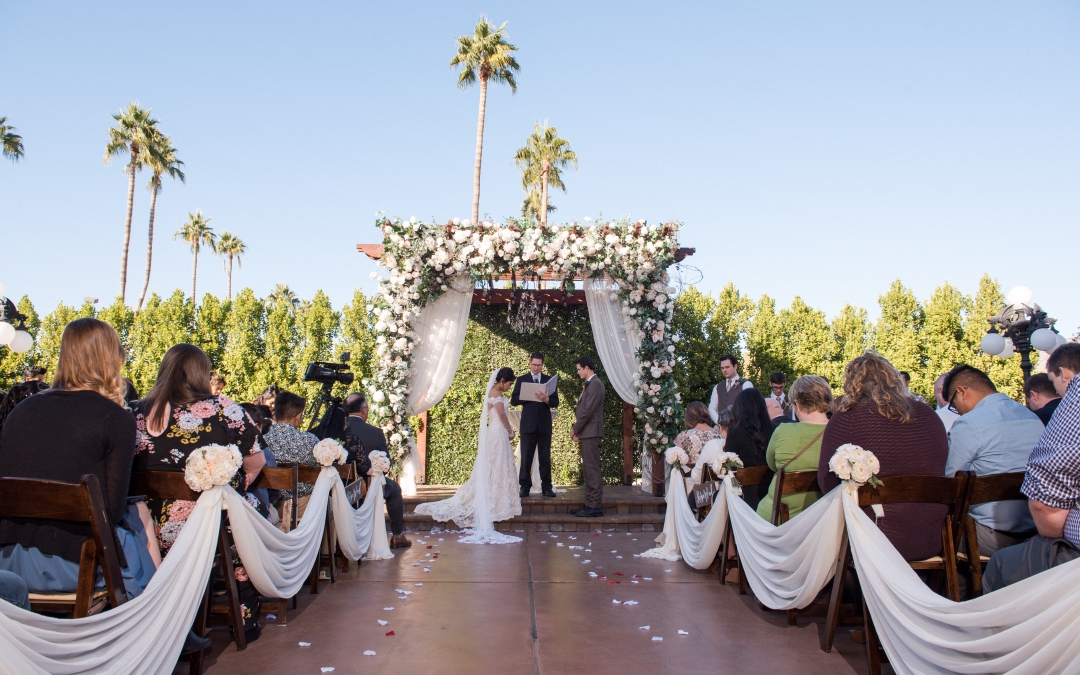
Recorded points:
491,493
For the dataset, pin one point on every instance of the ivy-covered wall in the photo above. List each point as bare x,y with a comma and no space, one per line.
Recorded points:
490,344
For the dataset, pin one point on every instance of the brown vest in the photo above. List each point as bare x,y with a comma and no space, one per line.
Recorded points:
725,397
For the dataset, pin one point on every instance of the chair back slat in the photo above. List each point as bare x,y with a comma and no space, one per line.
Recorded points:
277,478
161,485
996,487
800,481
755,475
707,474
916,489
307,473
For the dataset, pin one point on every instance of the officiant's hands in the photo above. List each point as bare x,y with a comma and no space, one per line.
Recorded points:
542,397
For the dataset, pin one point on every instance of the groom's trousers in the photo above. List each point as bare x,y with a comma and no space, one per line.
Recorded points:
530,445
594,481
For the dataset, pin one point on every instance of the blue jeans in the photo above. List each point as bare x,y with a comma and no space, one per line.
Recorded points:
13,590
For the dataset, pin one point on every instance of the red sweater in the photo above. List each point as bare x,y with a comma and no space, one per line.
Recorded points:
918,447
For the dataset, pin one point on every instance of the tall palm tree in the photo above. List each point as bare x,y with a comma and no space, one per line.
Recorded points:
282,292
542,160
484,55
10,142
133,132
196,233
530,206
160,158
230,246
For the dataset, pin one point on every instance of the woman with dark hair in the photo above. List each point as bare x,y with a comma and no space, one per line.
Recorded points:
16,395
749,436
491,493
878,413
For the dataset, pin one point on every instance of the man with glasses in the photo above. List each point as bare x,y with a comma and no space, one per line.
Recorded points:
777,383
994,434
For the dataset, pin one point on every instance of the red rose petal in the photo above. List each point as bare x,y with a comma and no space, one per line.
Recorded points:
614,582
429,547
619,574
390,633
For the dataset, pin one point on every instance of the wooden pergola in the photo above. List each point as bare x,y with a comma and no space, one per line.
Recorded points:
553,296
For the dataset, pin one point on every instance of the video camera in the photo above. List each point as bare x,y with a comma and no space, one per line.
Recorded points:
327,373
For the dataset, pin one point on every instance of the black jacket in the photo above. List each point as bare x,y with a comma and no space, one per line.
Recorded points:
535,416
1047,411
371,439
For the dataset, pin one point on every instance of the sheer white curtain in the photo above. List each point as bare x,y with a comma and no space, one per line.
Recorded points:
617,337
440,336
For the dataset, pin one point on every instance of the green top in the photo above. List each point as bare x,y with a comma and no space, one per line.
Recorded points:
786,442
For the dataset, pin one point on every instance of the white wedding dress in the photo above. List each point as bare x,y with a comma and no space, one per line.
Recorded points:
491,493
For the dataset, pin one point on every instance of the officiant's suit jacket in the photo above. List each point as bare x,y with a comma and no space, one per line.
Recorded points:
590,410
535,415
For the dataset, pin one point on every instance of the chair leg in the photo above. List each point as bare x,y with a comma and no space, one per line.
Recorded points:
195,661
948,555
793,617
974,556
873,653
236,612
723,569
833,617
744,587
327,540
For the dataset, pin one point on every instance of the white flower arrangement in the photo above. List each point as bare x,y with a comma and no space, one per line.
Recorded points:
677,458
380,462
211,466
421,261
328,451
725,463
851,462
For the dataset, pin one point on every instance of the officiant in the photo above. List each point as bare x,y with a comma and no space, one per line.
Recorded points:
535,426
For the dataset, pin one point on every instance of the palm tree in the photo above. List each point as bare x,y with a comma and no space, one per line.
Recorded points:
230,246
196,232
160,158
484,55
10,142
133,132
282,293
541,161
530,206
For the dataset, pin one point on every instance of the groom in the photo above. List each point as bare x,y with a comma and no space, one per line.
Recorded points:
588,430
535,427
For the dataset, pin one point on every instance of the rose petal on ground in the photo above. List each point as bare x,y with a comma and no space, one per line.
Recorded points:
305,644
382,622
389,633
388,609
619,574
418,584
615,602
682,632
657,639
327,669
648,578
613,582
369,653
667,570
631,602
634,581
644,627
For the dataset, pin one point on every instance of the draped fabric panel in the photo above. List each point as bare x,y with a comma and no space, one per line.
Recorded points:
362,531
617,338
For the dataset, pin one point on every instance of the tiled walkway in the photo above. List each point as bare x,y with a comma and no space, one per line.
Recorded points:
532,608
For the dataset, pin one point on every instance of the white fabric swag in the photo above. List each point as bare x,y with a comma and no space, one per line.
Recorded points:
146,634
617,338
440,337
1027,628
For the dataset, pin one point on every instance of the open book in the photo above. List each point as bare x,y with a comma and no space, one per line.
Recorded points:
530,389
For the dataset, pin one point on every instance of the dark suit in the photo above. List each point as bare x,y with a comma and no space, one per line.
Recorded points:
1047,411
535,432
370,439
589,428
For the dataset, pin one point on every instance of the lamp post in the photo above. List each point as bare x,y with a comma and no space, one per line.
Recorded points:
15,337
1018,327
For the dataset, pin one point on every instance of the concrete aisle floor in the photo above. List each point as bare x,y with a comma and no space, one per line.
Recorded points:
532,608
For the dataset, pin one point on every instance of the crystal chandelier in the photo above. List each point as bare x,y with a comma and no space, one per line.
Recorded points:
530,316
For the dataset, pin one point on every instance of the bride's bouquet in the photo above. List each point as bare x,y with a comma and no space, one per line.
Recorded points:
380,463
211,466
851,462
677,458
328,451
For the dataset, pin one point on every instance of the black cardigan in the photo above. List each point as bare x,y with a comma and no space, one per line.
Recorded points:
62,435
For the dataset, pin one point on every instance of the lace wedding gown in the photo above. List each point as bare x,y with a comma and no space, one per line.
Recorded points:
491,493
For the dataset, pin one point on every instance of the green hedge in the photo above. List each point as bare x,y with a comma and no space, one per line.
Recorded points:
490,344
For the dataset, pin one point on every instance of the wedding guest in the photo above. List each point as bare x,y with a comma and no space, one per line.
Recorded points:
588,431
77,427
267,398
34,374
1052,484
878,414
13,589
698,430
797,447
17,394
217,383
723,394
994,434
289,444
946,415
749,436
709,452
361,439
267,497
131,394
777,383
1041,396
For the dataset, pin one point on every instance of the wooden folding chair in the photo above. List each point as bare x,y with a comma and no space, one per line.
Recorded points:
908,489
795,482
982,489
729,557
707,475
78,503
278,478
307,473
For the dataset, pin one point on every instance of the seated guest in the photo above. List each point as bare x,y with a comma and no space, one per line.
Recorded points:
289,444
16,395
1042,397
751,430
266,496
994,434
78,427
267,397
878,414
710,451
217,383
797,447
698,430
946,415
361,439
34,374
13,589
1052,484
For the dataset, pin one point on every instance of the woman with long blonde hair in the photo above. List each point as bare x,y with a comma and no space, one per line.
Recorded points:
79,426
877,413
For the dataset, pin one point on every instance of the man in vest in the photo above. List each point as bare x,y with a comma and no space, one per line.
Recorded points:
723,394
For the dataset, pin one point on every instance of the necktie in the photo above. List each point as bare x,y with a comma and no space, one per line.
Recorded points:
536,379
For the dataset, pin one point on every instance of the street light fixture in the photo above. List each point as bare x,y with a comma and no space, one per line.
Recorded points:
1018,327
16,337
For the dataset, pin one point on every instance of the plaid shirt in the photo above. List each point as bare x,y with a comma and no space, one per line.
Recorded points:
1053,469
289,444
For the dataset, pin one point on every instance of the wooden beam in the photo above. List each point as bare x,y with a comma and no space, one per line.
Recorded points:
628,443
422,439
501,296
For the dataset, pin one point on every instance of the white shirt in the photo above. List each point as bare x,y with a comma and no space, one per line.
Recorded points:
947,417
781,399
709,452
713,412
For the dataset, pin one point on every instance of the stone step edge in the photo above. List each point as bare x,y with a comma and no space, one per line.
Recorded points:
547,501
637,518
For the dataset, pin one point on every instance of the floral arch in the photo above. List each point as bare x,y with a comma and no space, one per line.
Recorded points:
432,272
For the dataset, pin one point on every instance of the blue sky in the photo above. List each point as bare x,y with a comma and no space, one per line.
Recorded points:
815,149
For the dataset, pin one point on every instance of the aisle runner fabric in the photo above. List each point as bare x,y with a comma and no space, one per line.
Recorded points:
145,635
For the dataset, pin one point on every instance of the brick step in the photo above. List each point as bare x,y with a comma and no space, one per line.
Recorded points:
557,522
618,499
